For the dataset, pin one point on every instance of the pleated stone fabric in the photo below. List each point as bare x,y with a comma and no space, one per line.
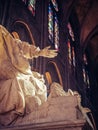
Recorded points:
21,90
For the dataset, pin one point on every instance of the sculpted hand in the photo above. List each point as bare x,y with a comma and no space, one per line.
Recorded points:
48,53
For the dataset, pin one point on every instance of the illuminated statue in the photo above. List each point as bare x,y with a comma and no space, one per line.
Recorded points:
19,86
23,93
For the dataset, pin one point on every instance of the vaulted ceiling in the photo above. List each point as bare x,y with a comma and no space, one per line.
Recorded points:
87,15
87,12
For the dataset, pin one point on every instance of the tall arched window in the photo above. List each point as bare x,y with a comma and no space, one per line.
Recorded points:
30,5
71,47
85,72
53,24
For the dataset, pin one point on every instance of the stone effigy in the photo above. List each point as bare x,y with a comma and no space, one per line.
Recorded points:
18,84
57,108
23,93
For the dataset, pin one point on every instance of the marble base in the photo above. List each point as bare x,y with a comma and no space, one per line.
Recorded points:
60,125
56,114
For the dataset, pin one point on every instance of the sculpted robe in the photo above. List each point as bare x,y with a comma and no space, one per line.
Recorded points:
21,90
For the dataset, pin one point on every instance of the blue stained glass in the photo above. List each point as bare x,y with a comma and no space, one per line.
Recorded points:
53,26
50,23
56,30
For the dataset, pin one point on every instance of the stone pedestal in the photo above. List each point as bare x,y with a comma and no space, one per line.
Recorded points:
60,125
58,113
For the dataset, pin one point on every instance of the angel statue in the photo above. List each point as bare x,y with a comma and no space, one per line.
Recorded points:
21,90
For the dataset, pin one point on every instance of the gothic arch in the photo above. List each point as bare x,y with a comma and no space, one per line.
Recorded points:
89,25
89,37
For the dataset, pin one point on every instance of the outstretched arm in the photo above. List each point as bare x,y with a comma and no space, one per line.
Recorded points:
17,47
31,51
47,52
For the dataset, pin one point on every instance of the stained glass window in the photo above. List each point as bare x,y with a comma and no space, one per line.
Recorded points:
50,23
73,57
53,24
56,32
85,71
71,46
55,5
31,5
70,31
69,51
